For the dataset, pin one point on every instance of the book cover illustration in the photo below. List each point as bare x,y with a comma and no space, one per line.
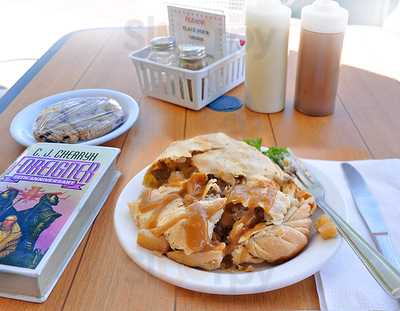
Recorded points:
38,194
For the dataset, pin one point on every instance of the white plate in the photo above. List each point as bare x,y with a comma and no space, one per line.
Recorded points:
22,125
263,279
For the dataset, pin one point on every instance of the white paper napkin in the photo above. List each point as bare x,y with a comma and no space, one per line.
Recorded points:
344,283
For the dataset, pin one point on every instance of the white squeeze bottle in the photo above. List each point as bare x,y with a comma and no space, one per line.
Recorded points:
267,34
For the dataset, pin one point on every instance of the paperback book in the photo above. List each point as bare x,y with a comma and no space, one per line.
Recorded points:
49,197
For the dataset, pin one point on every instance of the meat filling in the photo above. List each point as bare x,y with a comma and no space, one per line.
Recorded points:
161,174
234,213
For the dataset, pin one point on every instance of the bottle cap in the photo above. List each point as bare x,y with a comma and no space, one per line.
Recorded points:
324,16
268,7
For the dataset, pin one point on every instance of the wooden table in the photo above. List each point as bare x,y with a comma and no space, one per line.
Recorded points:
100,275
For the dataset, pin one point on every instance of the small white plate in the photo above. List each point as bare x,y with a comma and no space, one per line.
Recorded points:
21,127
263,279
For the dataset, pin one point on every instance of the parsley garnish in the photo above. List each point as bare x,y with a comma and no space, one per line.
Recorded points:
254,142
276,154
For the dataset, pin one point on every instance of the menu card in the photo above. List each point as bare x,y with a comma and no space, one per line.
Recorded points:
202,27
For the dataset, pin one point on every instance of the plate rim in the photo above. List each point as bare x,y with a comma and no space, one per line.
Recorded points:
132,117
205,288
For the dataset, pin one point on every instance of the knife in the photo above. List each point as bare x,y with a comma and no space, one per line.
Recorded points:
368,208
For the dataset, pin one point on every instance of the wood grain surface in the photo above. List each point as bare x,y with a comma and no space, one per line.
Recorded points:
100,275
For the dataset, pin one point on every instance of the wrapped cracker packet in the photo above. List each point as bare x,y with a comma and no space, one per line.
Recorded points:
78,119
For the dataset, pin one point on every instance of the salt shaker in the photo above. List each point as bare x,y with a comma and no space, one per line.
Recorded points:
163,51
323,25
192,57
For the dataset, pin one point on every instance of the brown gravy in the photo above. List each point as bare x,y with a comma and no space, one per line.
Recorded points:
252,196
147,205
195,185
196,228
196,225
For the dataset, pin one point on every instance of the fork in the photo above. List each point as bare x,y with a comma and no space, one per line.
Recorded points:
383,272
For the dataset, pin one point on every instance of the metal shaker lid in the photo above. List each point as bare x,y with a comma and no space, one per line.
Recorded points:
192,52
162,43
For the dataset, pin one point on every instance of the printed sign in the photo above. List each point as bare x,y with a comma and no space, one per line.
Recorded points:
198,27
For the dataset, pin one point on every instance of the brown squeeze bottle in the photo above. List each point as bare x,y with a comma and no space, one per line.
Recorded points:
323,25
